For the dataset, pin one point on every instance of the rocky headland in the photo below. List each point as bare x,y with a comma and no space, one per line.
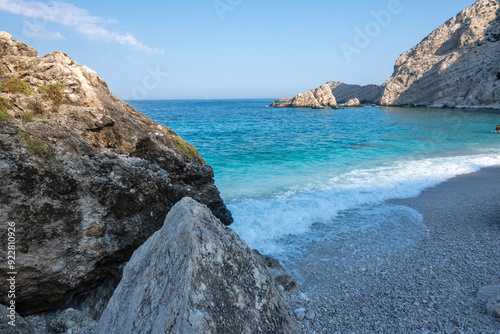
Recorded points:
330,94
85,178
456,66
318,98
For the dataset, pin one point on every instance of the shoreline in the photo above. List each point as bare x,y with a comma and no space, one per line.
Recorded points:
426,284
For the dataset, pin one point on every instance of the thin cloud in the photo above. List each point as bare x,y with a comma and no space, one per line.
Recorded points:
73,17
38,32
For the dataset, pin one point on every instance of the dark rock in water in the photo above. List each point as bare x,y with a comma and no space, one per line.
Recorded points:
195,276
21,325
280,275
85,178
498,128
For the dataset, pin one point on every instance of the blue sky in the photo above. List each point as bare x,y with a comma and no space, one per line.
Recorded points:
227,48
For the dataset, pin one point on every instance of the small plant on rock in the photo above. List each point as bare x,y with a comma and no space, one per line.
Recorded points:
4,105
4,115
52,92
34,145
39,109
186,148
15,86
27,117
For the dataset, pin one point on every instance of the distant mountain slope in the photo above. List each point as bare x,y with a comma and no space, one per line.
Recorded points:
458,64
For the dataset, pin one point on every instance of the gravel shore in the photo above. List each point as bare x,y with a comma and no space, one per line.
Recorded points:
410,279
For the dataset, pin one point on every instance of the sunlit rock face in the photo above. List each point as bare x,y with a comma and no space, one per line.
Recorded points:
457,65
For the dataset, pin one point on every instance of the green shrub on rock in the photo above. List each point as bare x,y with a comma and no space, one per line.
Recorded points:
52,92
186,148
33,145
4,105
15,86
27,117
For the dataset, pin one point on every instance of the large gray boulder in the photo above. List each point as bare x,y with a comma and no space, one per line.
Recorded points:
195,276
457,65
84,176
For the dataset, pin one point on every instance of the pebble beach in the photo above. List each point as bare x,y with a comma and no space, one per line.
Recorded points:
426,283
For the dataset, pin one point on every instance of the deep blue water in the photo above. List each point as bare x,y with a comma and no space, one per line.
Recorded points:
282,170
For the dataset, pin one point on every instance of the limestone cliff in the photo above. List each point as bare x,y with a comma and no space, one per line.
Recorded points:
84,176
457,65
365,94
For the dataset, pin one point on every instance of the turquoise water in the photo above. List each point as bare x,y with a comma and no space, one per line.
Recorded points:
282,170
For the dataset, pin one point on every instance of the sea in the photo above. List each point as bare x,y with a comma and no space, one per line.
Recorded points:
295,177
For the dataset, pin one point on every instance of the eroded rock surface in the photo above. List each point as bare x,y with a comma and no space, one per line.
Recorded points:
366,94
85,178
457,65
195,276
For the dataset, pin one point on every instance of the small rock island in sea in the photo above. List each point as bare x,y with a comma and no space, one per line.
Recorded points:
87,180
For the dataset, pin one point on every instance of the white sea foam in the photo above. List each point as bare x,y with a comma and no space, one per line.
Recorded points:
261,222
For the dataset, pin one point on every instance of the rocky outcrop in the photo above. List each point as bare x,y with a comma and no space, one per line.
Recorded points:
195,276
352,103
457,65
10,47
281,277
329,94
317,98
85,178
368,94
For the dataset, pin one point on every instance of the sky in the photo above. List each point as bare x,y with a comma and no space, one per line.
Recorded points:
227,49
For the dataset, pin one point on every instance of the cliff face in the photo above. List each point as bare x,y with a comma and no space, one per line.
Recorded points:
365,94
85,177
458,64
